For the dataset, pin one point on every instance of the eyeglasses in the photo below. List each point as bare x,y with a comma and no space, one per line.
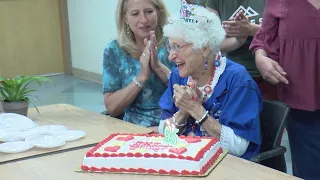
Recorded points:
175,47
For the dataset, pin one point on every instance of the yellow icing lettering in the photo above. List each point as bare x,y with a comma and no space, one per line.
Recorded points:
118,143
181,145
141,150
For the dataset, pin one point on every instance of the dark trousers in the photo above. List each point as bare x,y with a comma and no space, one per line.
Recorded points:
303,129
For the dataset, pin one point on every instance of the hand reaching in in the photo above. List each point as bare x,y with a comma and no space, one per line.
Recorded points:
270,70
238,27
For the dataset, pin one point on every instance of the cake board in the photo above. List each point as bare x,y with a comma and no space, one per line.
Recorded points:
219,159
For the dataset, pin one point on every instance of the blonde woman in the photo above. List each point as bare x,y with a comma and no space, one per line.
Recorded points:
135,66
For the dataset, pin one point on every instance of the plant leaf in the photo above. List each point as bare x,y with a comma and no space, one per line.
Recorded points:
35,106
16,89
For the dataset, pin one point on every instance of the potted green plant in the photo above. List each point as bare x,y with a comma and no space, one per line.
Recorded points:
15,93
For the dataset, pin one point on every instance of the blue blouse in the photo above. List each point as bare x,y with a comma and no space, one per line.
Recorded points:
119,68
236,102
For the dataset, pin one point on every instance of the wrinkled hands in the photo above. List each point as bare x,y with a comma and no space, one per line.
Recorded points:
186,97
239,27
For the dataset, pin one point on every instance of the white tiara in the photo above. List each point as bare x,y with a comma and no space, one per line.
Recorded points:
189,15
188,12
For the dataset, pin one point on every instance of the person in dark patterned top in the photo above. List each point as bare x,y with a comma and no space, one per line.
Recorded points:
136,65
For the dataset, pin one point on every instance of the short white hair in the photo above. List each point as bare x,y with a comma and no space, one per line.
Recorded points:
205,30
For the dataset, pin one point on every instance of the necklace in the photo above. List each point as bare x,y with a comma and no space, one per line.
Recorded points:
206,90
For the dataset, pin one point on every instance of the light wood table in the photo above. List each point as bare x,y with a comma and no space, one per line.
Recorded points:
62,166
96,126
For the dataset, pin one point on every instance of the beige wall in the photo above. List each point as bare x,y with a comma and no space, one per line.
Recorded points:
92,26
30,38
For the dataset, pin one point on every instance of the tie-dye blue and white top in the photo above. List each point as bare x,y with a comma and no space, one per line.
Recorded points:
119,69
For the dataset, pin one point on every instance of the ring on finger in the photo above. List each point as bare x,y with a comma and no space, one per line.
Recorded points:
190,93
194,98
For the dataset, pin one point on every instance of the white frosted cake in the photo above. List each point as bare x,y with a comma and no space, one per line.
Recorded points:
144,153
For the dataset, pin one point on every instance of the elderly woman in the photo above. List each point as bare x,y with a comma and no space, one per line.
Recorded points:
209,95
135,66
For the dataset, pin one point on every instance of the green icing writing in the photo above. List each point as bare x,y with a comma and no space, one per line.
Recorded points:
170,135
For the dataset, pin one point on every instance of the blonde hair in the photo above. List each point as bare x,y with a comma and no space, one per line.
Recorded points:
205,30
126,41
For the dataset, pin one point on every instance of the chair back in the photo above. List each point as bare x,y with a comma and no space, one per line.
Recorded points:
272,123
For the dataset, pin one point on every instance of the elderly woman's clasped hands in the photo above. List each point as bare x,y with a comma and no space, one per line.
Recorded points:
186,98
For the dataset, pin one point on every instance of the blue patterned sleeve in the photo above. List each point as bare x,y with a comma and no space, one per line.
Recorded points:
166,102
111,73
